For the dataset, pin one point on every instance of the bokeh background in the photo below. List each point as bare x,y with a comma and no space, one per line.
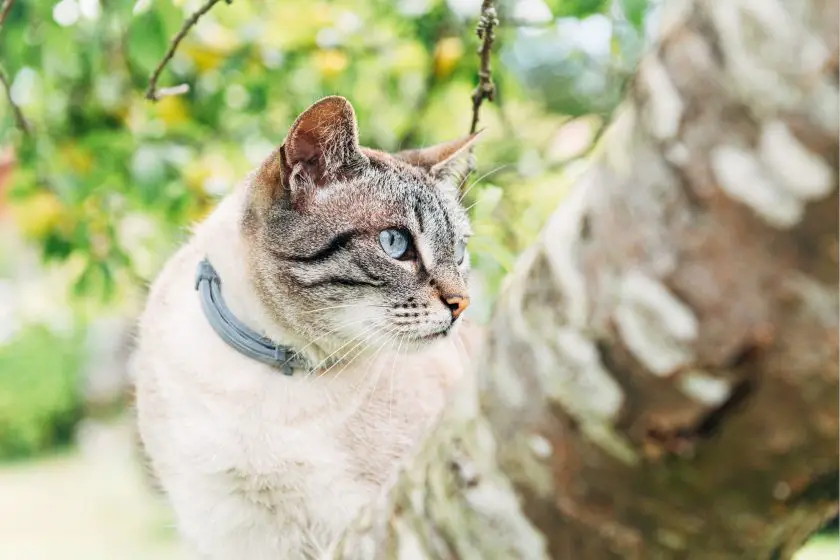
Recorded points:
103,185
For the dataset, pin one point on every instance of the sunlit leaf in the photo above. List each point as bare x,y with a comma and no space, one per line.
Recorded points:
447,54
38,214
331,63
634,11
147,40
577,8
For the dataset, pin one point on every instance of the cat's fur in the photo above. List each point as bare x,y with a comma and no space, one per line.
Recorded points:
260,465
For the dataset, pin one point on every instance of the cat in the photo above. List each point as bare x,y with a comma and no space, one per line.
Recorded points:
356,260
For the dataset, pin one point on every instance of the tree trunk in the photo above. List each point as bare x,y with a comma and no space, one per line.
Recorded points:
660,379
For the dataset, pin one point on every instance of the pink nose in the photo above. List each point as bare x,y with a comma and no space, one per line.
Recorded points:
456,304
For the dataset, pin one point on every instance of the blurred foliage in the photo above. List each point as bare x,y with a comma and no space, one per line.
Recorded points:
40,400
107,183
109,180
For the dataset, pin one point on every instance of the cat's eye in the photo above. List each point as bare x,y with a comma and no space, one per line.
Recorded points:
460,249
396,243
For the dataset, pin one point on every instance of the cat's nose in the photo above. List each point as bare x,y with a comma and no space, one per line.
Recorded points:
456,304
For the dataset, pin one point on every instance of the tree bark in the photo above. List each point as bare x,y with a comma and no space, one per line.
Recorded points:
660,379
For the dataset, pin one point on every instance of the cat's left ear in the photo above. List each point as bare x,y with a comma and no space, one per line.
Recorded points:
450,160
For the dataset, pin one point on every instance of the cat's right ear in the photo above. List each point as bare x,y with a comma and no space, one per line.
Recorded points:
450,160
322,146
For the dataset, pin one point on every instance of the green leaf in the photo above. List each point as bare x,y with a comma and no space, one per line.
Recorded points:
577,8
40,400
56,247
83,283
147,40
109,285
634,11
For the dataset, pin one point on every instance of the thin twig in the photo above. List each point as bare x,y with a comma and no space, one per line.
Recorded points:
485,88
152,93
4,11
18,114
180,89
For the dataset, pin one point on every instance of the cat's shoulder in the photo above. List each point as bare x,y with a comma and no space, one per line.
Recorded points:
175,283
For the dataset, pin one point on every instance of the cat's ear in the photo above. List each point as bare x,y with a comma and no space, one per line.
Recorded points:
322,146
323,143
450,160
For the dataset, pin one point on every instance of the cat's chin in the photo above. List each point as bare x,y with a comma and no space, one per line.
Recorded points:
403,344
423,341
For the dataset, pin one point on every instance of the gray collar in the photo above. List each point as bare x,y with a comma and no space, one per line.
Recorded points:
235,332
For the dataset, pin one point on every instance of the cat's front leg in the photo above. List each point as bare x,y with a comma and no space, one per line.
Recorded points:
219,521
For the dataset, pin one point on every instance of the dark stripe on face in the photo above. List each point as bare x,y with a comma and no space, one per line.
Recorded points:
418,214
370,275
335,245
443,211
338,281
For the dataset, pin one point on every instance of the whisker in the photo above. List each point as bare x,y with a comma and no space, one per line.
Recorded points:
353,359
459,346
330,332
343,362
368,329
387,339
461,184
381,368
393,370
474,183
471,206
361,340
349,305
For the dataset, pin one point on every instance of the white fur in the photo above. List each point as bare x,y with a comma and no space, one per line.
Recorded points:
256,464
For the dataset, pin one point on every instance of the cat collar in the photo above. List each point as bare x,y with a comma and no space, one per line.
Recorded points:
235,332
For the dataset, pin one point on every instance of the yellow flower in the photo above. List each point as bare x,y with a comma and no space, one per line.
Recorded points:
195,175
448,52
204,57
38,214
289,26
172,110
410,56
76,158
331,62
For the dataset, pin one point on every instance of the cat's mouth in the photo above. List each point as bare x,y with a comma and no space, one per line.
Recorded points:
443,333
419,342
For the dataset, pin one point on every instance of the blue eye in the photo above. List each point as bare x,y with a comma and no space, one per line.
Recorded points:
395,243
460,249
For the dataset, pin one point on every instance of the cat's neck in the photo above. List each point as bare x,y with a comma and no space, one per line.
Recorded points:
220,236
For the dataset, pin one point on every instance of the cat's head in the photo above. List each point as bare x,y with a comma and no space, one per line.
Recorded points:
356,247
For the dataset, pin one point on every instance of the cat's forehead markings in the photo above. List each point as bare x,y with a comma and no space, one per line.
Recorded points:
427,253
324,194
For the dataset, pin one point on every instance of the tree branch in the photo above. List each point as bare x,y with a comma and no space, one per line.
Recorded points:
4,11
152,92
485,31
20,121
5,8
660,376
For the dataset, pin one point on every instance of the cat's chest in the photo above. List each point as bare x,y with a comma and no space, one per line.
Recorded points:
356,438
393,416
332,464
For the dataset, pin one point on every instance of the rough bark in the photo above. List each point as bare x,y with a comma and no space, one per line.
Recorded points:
661,375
